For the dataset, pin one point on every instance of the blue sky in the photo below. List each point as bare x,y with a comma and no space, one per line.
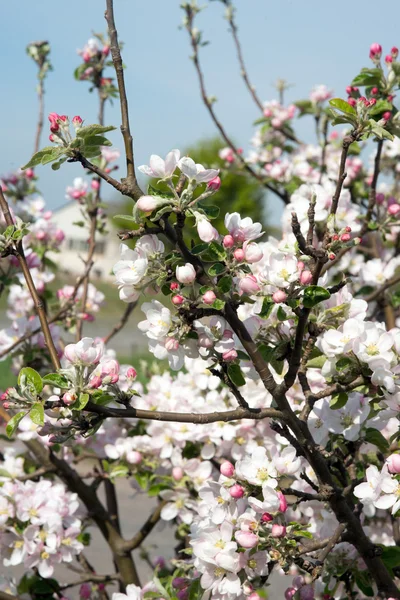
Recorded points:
305,42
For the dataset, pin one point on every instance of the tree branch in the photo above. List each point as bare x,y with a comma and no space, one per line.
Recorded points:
146,528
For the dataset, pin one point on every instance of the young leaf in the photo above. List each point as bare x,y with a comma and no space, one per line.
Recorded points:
53,155
338,401
31,377
90,130
216,269
81,402
97,140
313,294
235,375
37,158
373,436
56,380
37,413
343,106
266,308
13,423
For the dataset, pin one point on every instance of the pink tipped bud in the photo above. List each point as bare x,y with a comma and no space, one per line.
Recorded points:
147,203
278,530
214,184
387,115
228,241
279,296
393,463
177,473
394,51
179,582
372,102
351,101
131,373
209,297
347,229
134,457
52,137
306,277
390,98
249,285
345,237
236,491
380,198
266,517
394,209
246,539
375,50
53,117
95,185
177,300
388,59
331,256
171,344
54,127
335,237
374,91
94,382
174,286
349,89
230,355
252,252
282,502
29,173
105,50
69,398
227,469
239,254
77,121
6,405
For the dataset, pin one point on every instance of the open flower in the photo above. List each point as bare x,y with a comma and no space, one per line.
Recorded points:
196,172
162,169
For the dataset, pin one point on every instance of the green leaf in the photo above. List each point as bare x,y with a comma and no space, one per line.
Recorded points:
390,556
305,106
373,436
162,211
225,284
211,211
37,158
235,375
317,362
31,377
196,592
281,314
218,304
13,423
380,107
56,165
53,155
267,352
127,218
363,581
97,140
368,77
216,269
81,402
217,250
313,294
142,477
56,380
91,151
199,249
338,401
154,490
118,471
266,308
343,363
379,131
90,130
37,413
343,106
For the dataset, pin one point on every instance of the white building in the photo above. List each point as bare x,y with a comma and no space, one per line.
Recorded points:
74,248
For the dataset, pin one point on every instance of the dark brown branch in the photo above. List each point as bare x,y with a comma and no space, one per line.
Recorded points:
131,180
122,322
146,528
380,290
282,195
39,307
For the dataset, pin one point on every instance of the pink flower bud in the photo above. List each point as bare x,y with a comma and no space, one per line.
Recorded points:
205,341
95,185
374,91
393,209
186,274
54,127
380,198
171,344
236,491
131,373
177,300
6,405
345,237
177,473
105,50
53,117
52,138
29,173
282,502
375,50
331,256
134,457
306,277
249,285
230,355
85,591
64,119
394,51
266,517
246,539
349,89
69,398
278,530
279,296
174,286
147,203
351,101
228,241
95,382
209,297
239,254
347,229
372,102
388,59
387,115
254,596
393,463
252,252
214,184
227,469
183,594
300,265
179,582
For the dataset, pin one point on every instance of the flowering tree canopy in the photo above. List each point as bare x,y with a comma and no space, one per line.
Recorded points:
271,443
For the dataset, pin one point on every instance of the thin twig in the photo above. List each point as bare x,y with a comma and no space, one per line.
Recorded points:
122,322
146,528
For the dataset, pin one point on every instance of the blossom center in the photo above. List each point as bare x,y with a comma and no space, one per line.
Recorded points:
372,349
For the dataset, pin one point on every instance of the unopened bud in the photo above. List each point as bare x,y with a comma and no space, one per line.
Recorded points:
227,469
236,491
177,300
209,297
228,241
279,296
